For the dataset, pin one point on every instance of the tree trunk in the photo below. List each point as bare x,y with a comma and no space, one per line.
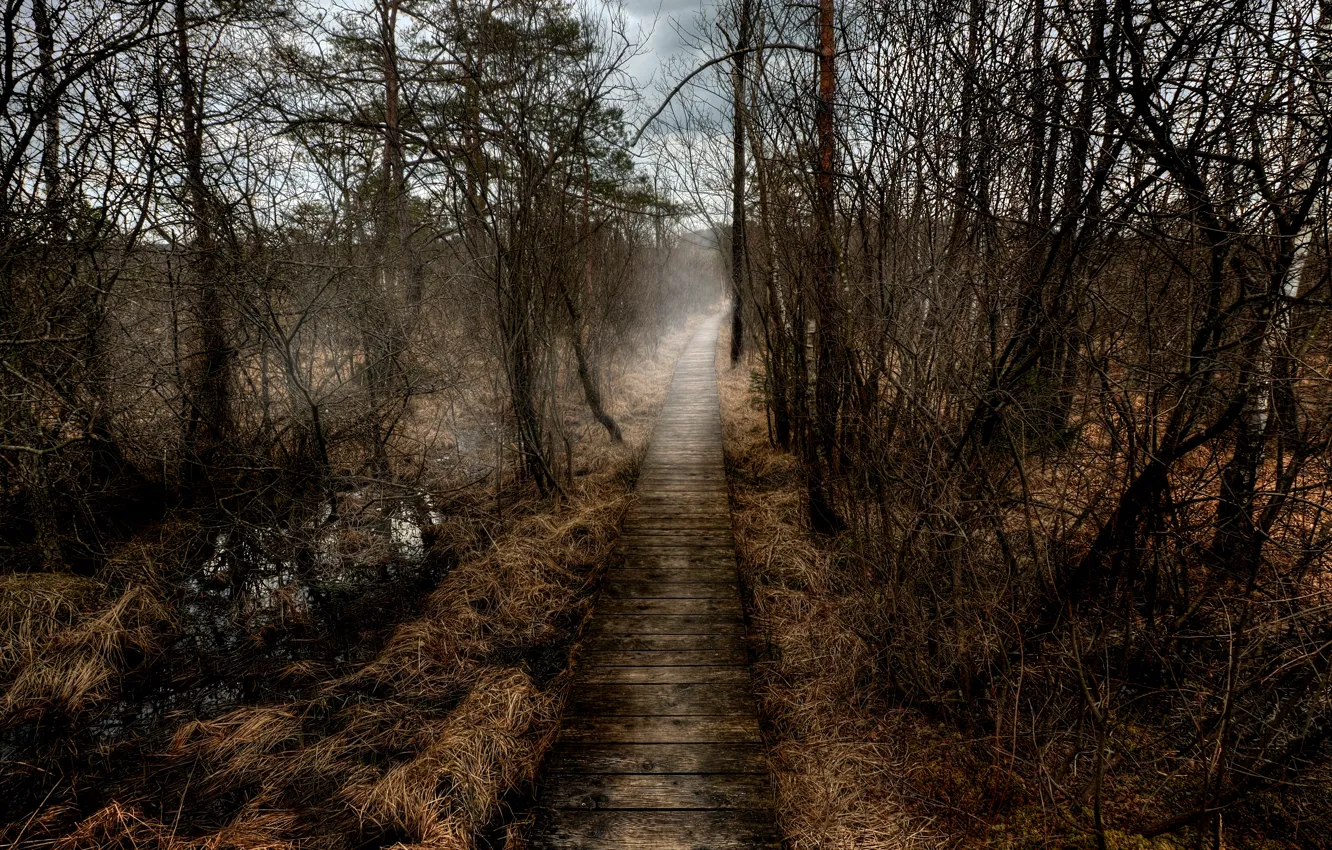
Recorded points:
829,374
1237,537
738,227
1235,529
385,335
45,31
588,378
208,424
587,372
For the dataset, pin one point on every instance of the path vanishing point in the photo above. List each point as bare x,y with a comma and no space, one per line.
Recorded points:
660,745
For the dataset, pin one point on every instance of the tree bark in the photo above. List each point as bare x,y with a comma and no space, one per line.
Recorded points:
830,369
208,424
45,31
738,174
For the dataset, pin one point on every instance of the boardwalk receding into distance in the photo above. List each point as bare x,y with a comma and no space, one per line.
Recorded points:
660,746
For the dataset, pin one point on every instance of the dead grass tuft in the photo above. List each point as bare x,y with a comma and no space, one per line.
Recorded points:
115,827
422,745
63,648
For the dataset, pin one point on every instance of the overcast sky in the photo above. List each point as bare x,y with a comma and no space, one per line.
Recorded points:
660,22
663,18
664,57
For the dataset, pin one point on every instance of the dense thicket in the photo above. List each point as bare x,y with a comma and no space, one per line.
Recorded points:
237,224
1041,293
297,302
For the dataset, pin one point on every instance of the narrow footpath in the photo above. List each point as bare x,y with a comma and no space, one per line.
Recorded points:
660,745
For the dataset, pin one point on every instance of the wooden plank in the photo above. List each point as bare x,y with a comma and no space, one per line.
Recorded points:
673,518
565,829
658,758
619,588
687,510
637,643
654,523
667,561
676,699
657,791
696,465
679,547
687,504
670,605
674,559
639,571
703,468
682,538
677,526
648,624
665,674
660,729
664,658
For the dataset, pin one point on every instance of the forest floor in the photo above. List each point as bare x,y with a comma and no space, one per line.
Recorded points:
416,713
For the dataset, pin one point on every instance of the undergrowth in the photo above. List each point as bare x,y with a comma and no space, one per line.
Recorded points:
856,763
427,732
841,755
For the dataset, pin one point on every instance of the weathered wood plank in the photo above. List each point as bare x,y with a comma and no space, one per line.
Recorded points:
709,512
564,829
677,791
648,624
676,699
667,520
660,729
688,539
665,674
710,574
662,549
658,758
670,605
619,588
664,658
678,553
686,535
602,642
677,560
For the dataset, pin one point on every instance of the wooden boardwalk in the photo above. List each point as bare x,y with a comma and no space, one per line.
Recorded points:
660,745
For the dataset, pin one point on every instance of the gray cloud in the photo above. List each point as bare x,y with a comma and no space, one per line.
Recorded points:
664,19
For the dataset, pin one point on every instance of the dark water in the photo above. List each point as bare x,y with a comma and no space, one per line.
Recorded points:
265,613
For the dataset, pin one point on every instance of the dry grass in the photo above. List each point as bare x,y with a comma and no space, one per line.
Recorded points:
840,754
426,745
422,744
64,645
